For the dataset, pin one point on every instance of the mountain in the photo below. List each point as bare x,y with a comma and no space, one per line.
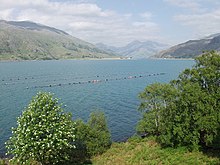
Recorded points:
192,48
135,49
31,41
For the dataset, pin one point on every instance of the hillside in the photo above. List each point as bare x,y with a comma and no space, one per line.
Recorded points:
192,48
31,41
148,151
135,49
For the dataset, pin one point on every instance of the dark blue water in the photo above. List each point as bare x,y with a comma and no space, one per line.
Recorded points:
83,86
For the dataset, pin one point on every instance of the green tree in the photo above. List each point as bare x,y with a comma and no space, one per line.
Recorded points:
154,99
100,138
190,114
197,114
44,132
93,137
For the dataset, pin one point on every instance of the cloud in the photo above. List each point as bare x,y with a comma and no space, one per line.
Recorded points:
83,19
193,5
202,24
199,17
146,15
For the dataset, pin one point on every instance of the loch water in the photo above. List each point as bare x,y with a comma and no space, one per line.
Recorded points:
83,86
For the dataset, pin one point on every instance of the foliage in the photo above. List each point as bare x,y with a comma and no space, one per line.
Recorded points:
186,112
44,132
148,151
138,151
154,99
93,137
100,138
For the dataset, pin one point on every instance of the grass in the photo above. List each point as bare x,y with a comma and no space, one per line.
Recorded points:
148,151
137,151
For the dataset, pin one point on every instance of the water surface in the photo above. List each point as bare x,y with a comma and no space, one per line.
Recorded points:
83,86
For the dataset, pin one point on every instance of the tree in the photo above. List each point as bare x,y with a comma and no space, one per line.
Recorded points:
44,132
190,114
93,137
197,119
100,138
154,99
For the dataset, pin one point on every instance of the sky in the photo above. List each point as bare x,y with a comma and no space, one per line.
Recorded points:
119,22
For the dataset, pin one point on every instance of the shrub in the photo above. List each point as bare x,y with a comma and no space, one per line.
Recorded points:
93,137
44,132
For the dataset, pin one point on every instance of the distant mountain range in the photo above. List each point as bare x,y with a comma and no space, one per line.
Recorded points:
192,48
26,40
31,41
135,49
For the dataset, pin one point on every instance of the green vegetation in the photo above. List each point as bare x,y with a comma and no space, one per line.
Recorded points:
44,133
47,135
186,111
181,120
92,138
40,42
137,151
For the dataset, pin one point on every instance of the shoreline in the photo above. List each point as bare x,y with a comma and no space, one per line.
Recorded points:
172,59
98,59
106,58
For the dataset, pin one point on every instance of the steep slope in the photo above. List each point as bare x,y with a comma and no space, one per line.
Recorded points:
135,49
192,48
31,41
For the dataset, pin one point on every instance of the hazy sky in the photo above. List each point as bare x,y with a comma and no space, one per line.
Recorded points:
117,22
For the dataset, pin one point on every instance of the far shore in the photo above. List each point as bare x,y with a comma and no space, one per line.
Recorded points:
100,59
115,58
172,58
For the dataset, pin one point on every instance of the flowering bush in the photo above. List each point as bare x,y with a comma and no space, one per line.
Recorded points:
44,133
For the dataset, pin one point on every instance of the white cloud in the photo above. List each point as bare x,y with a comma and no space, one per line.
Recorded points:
7,13
202,24
193,5
83,20
146,15
199,17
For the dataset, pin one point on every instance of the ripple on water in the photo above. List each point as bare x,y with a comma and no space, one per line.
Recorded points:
117,97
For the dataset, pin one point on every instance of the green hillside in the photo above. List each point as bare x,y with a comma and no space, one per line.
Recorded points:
192,48
31,41
147,151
